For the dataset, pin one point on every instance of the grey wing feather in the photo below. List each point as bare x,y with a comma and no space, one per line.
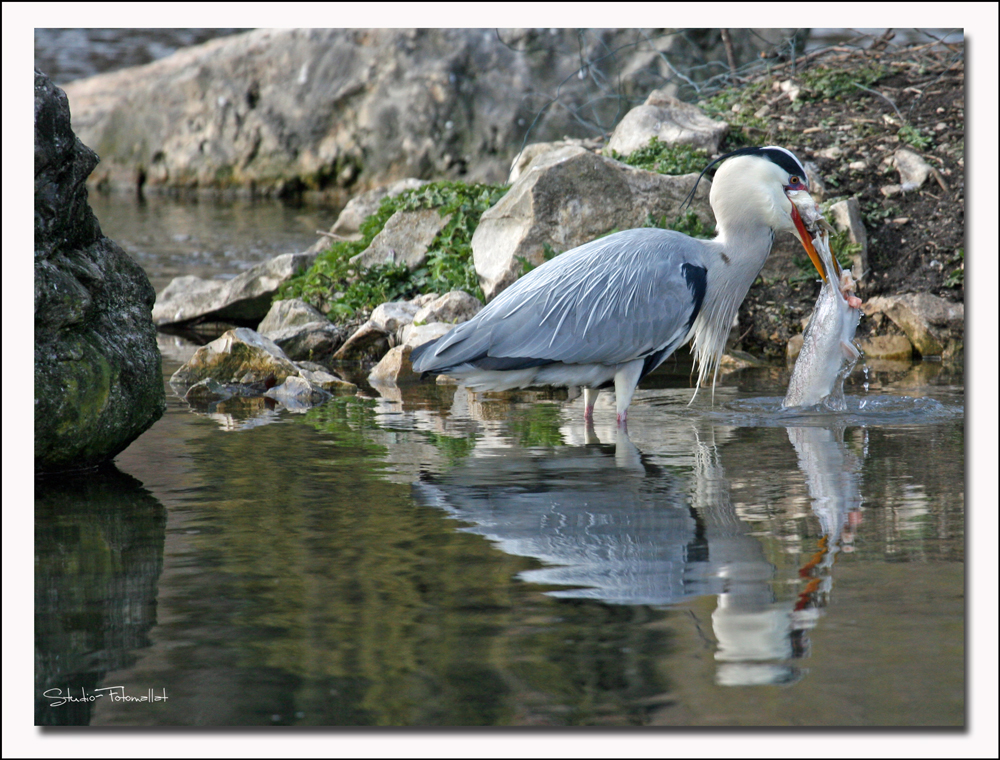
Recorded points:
609,301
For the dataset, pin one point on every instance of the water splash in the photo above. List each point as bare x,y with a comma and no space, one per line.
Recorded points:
858,411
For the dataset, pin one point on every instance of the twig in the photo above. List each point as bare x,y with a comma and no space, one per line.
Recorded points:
876,92
727,42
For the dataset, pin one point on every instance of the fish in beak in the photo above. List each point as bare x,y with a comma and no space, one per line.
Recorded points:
802,199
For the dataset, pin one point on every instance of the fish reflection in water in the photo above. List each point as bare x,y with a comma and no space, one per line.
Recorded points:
614,527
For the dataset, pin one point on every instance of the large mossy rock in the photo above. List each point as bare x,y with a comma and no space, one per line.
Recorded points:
98,381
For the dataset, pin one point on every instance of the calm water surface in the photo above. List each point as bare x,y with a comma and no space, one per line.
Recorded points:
434,558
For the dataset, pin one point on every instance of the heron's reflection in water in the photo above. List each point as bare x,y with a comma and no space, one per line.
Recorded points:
606,522
613,526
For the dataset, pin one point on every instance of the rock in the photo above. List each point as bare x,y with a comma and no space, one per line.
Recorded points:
297,393
913,170
281,111
313,341
245,299
404,240
241,356
932,324
360,207
794,348
390,317
98,377
424,299
367,342
817,188
568,197
887,347
671,121
417,335
530,152
394,368
791,88
847,216
452,308
326,380
208,390
288,313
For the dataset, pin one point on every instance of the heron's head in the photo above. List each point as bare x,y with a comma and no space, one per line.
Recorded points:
751,188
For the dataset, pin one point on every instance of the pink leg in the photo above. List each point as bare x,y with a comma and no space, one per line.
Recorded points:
589,399
622,418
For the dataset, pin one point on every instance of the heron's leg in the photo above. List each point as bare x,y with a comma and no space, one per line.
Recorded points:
626,378
589,399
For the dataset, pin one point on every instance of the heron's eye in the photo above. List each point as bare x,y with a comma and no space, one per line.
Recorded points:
794,180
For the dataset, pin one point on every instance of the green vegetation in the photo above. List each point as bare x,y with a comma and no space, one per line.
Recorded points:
689,223
957,276
822,83
843,249
663,158
537,425
913,136
340,289
745,128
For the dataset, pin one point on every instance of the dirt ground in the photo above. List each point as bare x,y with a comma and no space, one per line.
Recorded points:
916,240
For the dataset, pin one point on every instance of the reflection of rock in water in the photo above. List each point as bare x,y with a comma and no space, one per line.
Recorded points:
608,523
98,556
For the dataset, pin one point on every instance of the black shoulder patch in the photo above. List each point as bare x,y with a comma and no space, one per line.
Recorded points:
697,279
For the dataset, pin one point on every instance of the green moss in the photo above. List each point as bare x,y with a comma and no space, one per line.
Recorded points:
689,223
664,158
744,127
340,289
913,136
823,83
957,276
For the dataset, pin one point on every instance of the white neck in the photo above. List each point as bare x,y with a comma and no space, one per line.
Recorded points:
732,268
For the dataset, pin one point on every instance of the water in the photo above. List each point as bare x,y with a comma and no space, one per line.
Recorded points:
209,238
438,559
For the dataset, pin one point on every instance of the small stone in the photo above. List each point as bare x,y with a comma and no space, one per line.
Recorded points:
913,170
394,368
207,390
297,393
238,356
416,335
391,316
890,347
456,306
368,341
325,380
288,313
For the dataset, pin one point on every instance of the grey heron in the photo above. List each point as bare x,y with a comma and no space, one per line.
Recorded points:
612,310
